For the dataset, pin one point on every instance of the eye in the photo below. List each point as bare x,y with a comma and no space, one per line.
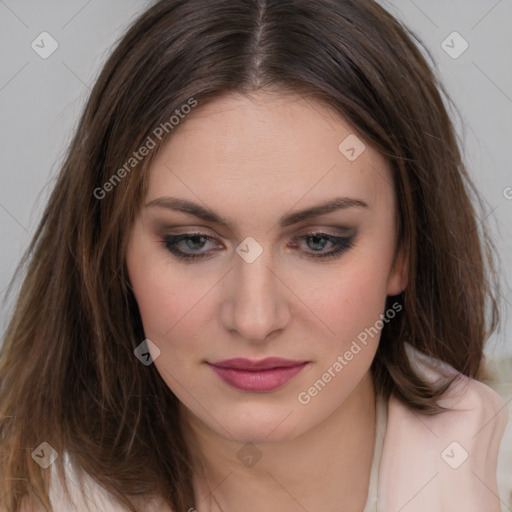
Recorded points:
190,246
193,242
318,241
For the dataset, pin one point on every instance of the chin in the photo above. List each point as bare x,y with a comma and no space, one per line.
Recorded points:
260,424
257,434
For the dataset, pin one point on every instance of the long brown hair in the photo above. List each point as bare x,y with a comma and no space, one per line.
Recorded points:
68,375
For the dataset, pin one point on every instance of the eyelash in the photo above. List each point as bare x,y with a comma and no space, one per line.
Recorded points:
342,244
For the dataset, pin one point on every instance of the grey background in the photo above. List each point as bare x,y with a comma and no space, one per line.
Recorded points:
41,99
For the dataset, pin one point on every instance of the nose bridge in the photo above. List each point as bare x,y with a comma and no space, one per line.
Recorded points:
255,300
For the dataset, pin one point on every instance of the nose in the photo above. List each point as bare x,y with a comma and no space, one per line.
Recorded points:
255,306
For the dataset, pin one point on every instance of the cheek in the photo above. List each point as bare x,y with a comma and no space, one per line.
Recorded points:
349,298
351,306
164,302
156,300
171,304
156,290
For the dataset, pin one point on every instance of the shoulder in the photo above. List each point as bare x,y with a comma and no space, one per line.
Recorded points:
480,398
88,496
473,407
453,451
498,375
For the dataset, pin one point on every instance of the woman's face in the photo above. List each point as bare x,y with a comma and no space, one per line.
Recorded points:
267,278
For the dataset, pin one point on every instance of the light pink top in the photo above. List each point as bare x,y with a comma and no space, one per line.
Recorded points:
448,461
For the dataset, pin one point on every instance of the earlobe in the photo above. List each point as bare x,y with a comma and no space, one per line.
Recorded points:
399,276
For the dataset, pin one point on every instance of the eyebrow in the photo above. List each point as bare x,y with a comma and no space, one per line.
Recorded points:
185,206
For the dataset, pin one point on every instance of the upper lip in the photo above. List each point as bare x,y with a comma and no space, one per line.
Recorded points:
240,363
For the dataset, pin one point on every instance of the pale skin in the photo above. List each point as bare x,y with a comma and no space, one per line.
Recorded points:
253,160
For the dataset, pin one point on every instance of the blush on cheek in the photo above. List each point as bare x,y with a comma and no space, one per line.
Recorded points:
356,305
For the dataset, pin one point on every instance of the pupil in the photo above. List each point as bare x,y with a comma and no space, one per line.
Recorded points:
318,238
198,239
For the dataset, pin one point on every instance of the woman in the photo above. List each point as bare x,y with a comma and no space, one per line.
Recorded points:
259,282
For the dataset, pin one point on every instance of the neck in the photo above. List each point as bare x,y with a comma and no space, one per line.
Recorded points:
326,468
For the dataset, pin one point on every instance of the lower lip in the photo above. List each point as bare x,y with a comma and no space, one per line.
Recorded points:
261,380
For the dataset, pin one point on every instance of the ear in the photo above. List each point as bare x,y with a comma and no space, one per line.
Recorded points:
399,275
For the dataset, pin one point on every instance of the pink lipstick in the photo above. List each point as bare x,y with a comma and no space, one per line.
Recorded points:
257,376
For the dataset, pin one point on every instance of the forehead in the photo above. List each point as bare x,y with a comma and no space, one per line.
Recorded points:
241,153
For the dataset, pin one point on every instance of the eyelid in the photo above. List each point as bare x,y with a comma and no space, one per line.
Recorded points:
333,231
309,231
166,229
